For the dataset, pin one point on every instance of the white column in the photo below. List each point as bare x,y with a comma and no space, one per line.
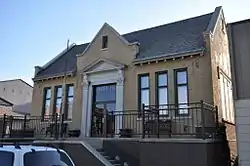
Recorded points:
85,94
119,100
89,111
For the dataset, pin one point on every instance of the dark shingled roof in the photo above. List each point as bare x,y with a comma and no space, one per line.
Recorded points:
177,37
60,65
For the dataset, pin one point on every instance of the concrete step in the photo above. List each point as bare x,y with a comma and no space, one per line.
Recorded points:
111,159
97,143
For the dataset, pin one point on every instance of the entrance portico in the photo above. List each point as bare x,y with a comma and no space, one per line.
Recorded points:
101,72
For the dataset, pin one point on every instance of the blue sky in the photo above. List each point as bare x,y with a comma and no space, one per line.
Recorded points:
32,32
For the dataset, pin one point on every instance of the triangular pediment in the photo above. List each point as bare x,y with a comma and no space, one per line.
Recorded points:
103,65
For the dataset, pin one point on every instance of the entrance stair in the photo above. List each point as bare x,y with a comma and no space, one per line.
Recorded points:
96,143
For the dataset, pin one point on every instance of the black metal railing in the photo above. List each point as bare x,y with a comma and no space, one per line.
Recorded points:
198,120
52,126
188,119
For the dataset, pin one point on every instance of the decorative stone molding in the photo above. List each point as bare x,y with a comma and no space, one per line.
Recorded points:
99,78
120,79
85,81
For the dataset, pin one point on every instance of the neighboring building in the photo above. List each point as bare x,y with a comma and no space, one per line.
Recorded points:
176,63
17,92
239,37
5,107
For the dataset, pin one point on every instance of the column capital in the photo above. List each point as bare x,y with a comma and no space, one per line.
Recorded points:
120,80
85,81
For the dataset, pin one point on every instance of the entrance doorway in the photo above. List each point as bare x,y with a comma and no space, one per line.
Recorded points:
104,103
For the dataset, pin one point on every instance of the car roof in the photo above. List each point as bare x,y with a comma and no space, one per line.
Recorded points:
26,148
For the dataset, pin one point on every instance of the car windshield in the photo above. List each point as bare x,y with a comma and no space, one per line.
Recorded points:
46,158
6,158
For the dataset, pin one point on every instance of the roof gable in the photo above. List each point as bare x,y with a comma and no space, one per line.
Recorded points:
214,20
105,25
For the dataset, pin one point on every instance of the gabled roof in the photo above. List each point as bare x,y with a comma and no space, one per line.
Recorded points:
106,25
168,40
66,63
4,102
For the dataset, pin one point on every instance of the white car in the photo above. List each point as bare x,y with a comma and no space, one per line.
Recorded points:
27,155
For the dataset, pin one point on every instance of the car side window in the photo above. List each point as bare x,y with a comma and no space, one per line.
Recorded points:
6,158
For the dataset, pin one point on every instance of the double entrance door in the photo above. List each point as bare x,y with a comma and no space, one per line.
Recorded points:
104,103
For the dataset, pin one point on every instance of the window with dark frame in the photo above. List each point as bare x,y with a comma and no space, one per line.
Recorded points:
46,102
162,92
69,101
104,42
181,92
143,90
58,100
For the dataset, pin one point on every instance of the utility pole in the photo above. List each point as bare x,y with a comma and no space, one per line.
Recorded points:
64,95
64,82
